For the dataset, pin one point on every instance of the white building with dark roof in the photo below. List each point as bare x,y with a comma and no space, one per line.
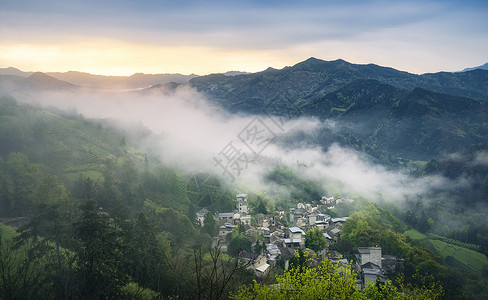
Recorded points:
370,254
241,205
296,232
227,217
225,229
293,243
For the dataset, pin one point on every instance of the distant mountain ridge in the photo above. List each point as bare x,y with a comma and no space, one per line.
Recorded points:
384,112
326,76
314,78
482,67
387,113
15,72
137,80
37,81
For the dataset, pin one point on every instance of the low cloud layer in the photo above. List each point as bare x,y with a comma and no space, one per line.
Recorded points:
197,136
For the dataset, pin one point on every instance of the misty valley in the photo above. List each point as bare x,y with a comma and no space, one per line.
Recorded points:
322,180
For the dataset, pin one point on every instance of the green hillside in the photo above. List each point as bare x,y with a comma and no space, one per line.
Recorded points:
471,259
391,115
64,145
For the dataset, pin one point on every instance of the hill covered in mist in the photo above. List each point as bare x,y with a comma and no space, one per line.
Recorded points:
383,111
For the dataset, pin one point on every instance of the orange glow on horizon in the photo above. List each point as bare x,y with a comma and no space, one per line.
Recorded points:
115,58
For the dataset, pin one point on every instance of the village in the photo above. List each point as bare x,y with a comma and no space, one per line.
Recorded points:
280,243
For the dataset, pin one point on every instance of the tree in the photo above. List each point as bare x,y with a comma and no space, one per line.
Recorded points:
239,243
259,247
100,257
315,239
332,281
192,215
22,271
327,281
146,254
209,224
19,184
299,261
48,234
216,273
261,208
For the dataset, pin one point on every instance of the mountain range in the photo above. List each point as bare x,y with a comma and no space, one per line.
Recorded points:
82,79
382,111
387,113
482,67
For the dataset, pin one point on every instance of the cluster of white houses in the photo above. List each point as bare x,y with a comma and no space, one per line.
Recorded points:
281,242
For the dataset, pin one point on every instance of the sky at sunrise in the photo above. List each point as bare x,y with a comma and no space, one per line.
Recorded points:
121,37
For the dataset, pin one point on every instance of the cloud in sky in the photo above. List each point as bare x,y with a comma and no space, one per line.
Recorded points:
417,36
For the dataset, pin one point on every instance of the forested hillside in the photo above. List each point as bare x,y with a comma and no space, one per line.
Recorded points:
96,217
389,114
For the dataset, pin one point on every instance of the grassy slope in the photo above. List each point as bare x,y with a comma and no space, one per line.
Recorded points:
475,261
471,259
414,234
66,146
7,233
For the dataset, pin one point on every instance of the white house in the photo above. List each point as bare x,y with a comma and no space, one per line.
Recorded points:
293,243
312,218
262,270
241,205
225,229
201,215
370,254
226,217
295,232
246,219
296,235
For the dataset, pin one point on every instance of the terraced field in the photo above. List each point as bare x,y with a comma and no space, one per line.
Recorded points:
464,254
414,234
473,260
76,147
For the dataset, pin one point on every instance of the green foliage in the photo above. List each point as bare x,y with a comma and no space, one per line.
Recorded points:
146,253
473,260
315,239
323,282
209,224
34,268
238,243
414,234
302,190
300,260
261,208
100,256
134,291
19,179
178,226
332,281
375,226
